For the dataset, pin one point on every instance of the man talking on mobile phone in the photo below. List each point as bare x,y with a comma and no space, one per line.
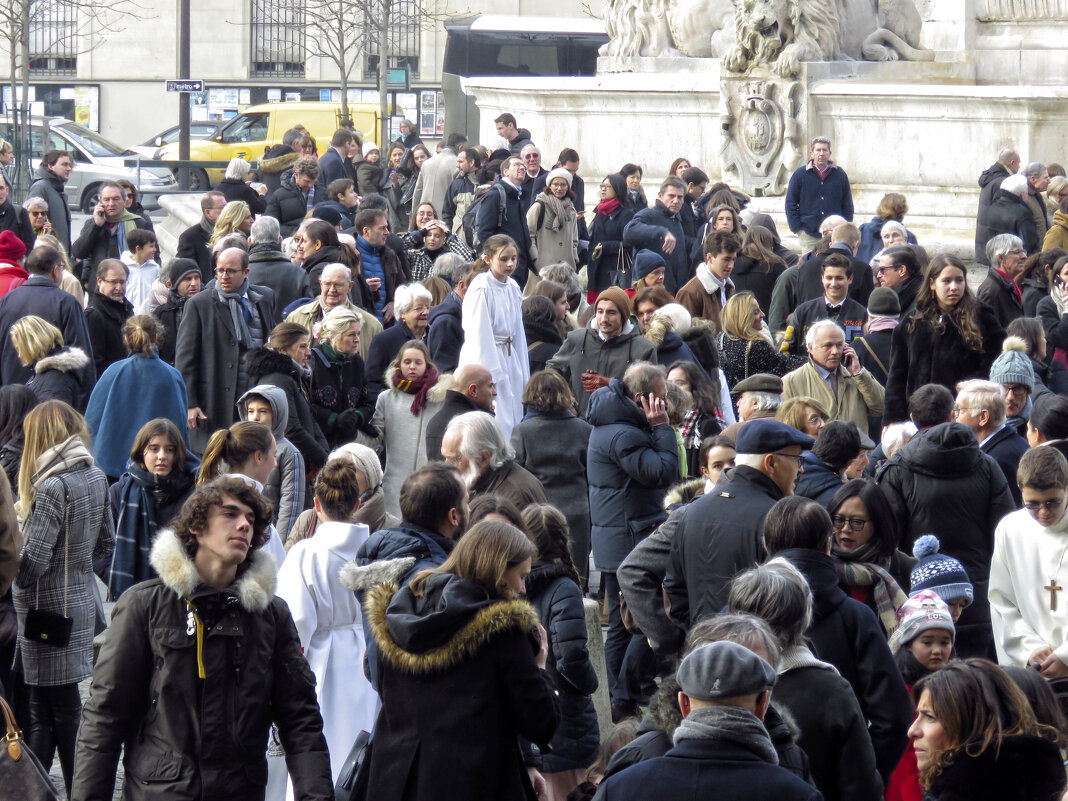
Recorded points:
835,377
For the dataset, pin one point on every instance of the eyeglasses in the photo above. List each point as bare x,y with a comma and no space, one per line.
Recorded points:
798,457
958,410
856,524
229,273
884,269
113,281
1050,506
1017,252
1016,390
38,213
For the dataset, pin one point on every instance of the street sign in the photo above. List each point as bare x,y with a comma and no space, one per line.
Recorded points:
185,85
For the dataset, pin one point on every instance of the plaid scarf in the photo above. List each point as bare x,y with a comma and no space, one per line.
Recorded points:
418,387
854,570
70,454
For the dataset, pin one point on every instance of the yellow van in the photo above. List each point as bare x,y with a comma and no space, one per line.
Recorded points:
254,130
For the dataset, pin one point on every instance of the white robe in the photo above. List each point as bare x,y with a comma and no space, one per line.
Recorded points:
1026,557
329,623
493,313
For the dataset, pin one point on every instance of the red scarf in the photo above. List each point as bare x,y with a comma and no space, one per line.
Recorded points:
1013,284
606,207
418,387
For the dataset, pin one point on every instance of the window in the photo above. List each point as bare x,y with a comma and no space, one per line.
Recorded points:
246,128
402,43
277,39
53,25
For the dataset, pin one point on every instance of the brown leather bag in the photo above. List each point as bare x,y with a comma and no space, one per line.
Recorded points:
21,775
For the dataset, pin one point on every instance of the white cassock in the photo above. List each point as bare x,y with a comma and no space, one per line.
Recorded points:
329,622
1027,559
494,338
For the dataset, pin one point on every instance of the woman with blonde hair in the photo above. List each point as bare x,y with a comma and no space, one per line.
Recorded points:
342,400
461,661
805,414
236,217
58,370
66,526
746,342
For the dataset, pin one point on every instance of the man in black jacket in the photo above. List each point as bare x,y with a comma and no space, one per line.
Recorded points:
268,266
510,220
1010,214
899,269
193,242
999,290
107,311
844,632
52,176
472,390
104,234
660,230
719,533
297,194
980,405
989,183
182,279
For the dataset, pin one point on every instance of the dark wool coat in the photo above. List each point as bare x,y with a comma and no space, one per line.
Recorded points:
629,468
553,448
758,277
997,293
818,482
289,204
337,386
989,185
104,318
719,535
456,668
876,360
1056,325
543,341
1024,768
50,187
267,366
98,242
811,199
1010,215
848,635
384,349
871,239
607,231
236,189
810,283
170,314
558,599
941,483
193,244
268,266
17,220
209,357
445,336
927,356
515,225
71,519
187,739
510,481
1007,447
646,230
455,404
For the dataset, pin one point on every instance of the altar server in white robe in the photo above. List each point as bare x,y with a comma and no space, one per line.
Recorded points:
493,329
1029,569
327,615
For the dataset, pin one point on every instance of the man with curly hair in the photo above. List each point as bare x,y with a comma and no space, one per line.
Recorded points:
198,664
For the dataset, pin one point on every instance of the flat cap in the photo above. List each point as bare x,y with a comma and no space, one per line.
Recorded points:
768,436
759,382
724,670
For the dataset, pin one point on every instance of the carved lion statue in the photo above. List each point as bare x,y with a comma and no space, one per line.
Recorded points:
784,33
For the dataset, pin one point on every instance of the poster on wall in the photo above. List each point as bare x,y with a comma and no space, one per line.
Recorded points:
428,112
439,122
87,106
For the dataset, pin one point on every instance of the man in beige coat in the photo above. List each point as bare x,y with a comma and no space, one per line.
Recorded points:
336,283
835,377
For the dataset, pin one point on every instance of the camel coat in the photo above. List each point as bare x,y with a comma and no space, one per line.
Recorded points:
859,397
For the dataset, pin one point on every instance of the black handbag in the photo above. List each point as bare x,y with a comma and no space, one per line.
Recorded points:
621,275
352,781
21,775
48,627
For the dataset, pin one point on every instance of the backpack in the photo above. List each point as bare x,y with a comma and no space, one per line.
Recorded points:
470,218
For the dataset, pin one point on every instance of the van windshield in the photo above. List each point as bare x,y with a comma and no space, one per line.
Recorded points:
92,142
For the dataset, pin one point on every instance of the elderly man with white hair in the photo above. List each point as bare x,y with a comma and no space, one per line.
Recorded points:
474,445
411,304
980,405
835,377
1007,255
1010,214
335,283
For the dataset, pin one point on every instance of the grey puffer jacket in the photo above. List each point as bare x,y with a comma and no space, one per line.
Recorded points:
188,738
286,486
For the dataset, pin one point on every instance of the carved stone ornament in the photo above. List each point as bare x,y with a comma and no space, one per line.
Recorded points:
760,136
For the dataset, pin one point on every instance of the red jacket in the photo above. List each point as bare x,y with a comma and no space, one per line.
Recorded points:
11,276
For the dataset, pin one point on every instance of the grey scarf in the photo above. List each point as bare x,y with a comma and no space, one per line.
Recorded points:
729,724
238,303
207,226
555,214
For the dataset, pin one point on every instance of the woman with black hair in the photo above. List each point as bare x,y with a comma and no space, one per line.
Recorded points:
706,417
1048,424
16,401
870,567
1035,281
610,259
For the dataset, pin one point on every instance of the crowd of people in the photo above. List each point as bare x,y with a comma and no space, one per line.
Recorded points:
357,458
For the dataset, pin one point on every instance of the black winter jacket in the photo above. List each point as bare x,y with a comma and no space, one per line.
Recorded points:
989,186
17,220
289,204
1010,215
847,634
186,739
455,404
758,277
543,342
445,336
629,468
60,376
96,243
818,482
998,293
170,314
1007,447
1056,324
941,483
267,366
268,266
719,535
558,599
335,387
50,186
193,244
515,225
236,189
607,231
1023,768
104,318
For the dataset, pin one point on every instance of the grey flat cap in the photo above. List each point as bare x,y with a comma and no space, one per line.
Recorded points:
724,670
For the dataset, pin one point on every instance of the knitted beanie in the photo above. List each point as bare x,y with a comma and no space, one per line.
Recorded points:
365,459
645,261
922,612
939,573
1013,366
884,302
11,247
369,148
619,298
559,172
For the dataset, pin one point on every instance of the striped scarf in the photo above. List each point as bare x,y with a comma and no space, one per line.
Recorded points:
888,595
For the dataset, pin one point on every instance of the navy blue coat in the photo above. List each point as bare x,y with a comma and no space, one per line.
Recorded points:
811,199
871,239
384,348
720,769
1008,447
646,230
629,468
445,336
818,482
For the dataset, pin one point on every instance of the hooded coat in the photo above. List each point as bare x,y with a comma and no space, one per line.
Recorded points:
285,487
268,366
584,350
58,376
818,481
629,468
184,737
941,483
457,668
445,336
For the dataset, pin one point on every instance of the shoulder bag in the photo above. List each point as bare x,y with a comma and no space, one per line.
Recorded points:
48,627
352,780
21,775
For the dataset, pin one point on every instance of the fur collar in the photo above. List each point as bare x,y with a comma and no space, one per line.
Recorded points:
254,587
657,329
65,360
437,393
278,163
266,361
360,578
485,624
684,492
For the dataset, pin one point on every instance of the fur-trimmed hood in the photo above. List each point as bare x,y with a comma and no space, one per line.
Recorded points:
265,361
682,493
361,578
66,360
255,583
659,327
448,625
278,164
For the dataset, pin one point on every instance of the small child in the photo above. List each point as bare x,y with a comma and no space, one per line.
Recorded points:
140,261
941,574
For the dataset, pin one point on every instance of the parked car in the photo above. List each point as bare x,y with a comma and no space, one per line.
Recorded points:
203,129
250,133
96,160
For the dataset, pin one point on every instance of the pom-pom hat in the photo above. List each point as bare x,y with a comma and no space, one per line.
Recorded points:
939,573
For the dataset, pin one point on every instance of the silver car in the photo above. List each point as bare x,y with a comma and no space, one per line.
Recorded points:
96,160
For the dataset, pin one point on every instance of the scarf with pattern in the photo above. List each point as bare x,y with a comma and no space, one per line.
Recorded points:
416,386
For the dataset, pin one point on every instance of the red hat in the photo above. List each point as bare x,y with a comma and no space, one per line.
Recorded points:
12,249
